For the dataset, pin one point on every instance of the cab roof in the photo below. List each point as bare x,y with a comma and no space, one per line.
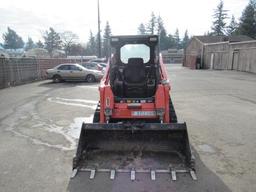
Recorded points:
133,39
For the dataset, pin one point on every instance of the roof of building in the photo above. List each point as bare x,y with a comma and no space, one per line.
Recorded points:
239,38
210,39
217,39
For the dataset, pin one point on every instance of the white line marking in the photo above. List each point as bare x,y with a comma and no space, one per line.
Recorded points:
75,102
90,87
92,175
78,100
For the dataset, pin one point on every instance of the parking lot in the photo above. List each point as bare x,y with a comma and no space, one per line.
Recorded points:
40,122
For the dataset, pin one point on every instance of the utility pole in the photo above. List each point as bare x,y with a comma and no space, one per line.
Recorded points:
99,37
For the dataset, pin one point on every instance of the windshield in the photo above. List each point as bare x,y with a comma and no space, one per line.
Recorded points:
135,51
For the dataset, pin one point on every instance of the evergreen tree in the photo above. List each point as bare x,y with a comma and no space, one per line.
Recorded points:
39,44
30,44
151,27
159,25
185,40
247,25
97,44
253,3
92,45
233,26
52,40
161,31
219,16
171,41
106,37
12,40
177,39
142,29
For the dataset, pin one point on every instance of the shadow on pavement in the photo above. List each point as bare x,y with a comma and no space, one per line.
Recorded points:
207,181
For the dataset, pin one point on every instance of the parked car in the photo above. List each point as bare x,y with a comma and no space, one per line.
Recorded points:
92,65
69,71
104,65
99,60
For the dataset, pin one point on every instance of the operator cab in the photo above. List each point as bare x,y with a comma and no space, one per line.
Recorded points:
134,66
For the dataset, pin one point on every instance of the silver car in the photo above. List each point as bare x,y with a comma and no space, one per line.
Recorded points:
72,72
92,65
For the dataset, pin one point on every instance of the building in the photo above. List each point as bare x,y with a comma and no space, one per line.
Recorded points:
240,56
172,56
195,51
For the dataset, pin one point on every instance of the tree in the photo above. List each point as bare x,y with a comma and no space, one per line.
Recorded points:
91,48
30,44
253,3
106,37
219,17
98,45
68,38
247,25
77,49
142,29
151,27
12,40
232,27
52,40
159,25
171,41
161,31
177,39
185,39
39,44
208,33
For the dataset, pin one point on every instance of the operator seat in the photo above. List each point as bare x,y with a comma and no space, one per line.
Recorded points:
135,78
116,81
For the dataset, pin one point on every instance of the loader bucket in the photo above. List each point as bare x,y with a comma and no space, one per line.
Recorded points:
124,147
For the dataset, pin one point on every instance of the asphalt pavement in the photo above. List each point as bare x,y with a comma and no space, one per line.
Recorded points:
40,124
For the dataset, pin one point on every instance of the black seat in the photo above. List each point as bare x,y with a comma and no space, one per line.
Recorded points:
116,81
135,78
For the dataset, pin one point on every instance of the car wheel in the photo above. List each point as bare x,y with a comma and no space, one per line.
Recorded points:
57,79
90,78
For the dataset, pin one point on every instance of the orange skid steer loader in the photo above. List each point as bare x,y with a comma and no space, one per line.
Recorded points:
135,127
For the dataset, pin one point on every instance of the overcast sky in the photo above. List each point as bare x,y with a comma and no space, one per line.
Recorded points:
32,17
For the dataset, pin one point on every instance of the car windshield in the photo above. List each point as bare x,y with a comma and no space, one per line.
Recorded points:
135,51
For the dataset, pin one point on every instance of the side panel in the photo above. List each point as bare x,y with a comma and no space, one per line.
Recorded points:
106,101
104,84
162,100
167,97
102,108
166,89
